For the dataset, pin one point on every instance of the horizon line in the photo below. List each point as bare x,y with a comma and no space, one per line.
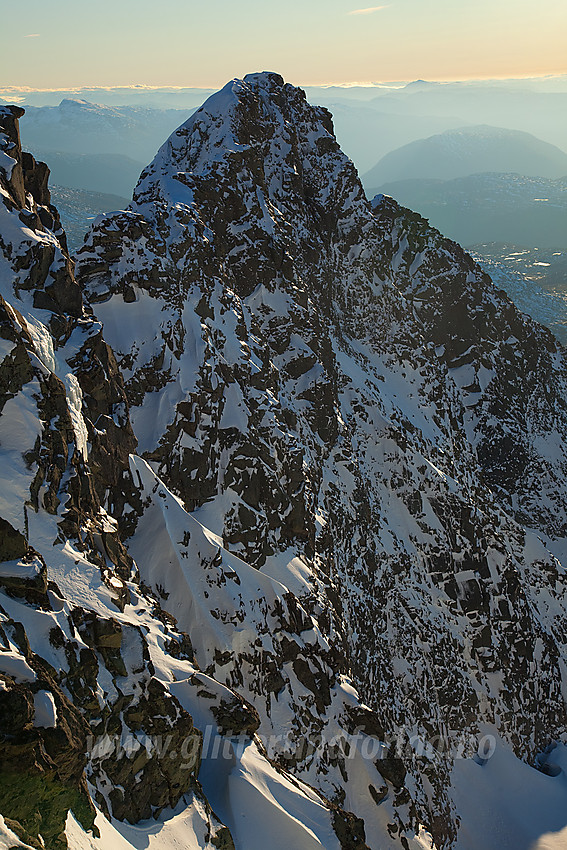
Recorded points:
344,84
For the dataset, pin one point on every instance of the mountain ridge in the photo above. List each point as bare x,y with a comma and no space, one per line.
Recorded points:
330,401
270,259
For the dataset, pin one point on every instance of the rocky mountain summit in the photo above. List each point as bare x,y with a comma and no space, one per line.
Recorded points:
284,513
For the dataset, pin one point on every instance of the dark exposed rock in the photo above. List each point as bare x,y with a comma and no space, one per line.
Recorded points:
13,544
148,781
349,830
36,177
236,718
10,127
42,769
28,579
392,769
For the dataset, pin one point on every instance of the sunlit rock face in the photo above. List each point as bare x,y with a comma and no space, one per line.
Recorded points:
339,538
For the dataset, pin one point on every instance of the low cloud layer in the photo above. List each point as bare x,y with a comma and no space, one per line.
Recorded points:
367,11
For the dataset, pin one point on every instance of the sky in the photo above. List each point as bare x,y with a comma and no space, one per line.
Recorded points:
73,43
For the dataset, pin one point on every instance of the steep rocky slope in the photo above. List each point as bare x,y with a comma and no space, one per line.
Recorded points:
103,703
73,662
329,568
343,399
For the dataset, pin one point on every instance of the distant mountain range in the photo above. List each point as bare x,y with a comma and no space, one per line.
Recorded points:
519,105
470,150
164,97
78,126
370,120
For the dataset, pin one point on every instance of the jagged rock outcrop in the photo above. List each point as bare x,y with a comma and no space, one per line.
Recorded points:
348,407
43,751
75,669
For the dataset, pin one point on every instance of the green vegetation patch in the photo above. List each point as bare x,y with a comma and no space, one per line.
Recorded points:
36,805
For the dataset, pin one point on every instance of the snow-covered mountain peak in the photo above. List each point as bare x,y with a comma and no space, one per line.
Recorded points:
96,682
242,115
259,145
76,103
341,541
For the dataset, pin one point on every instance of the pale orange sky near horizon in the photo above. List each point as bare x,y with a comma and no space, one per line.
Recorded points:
188,43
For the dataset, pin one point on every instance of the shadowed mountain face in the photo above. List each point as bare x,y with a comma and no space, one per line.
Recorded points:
341,534
470,150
